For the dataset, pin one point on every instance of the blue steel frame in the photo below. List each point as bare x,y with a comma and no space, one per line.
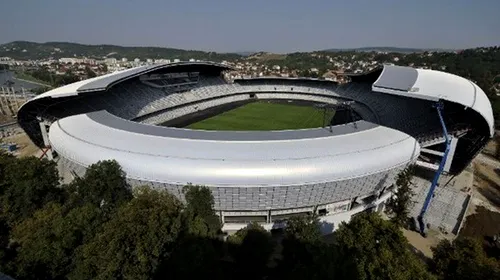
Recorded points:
439,107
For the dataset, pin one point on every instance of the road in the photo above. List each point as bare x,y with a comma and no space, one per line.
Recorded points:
33,82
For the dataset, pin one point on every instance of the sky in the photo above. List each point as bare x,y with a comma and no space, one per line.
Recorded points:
254,25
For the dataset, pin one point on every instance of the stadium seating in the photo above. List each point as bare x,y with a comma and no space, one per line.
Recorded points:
136,100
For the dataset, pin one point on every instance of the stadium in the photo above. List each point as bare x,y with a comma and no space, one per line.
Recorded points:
268,148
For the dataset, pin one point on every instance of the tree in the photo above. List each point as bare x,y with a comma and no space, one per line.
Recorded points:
5,161
90,73
39,90
372,248
103,185
464,258
67,78
7,251
139,236
198,250
303,228
200,213
27,185
251,248
48,242
398,204
302,247
194,257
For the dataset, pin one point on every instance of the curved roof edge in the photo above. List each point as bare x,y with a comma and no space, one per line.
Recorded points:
107,119
228,163
272,78
103,82
435,85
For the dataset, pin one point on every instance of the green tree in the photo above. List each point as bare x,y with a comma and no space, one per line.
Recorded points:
67,78
372,248
251,248
198,251
398,204
39,90
27,185
5,161
90,73
302,248
103,185
464,258
303,228
139,236
194,257
48,242
200,215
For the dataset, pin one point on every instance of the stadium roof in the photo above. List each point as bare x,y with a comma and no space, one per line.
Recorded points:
180,156
435,85
105,81
398,80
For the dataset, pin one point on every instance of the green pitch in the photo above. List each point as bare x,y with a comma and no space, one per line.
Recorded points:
265,116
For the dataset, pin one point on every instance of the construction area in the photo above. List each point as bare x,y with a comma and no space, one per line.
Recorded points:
12,137
10,102
466,205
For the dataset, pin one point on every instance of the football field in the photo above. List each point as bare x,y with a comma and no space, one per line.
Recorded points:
264,115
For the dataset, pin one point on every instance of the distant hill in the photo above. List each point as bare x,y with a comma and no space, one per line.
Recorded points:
33,50
387,49
245,53
265,56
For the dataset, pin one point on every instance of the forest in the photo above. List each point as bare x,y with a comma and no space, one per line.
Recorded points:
99,227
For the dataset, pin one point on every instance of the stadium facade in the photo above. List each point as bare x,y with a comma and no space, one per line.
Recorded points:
263,176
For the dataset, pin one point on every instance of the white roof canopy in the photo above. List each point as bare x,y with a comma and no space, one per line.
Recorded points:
360,151
435,85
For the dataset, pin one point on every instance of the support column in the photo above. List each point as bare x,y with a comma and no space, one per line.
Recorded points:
14,100
221,215
45,136
451,153
269,220
381,207
7,101
24,95
3,109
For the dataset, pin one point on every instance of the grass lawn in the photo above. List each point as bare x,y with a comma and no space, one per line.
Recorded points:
265,116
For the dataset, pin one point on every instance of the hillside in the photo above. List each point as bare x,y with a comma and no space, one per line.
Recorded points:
32,50
387,49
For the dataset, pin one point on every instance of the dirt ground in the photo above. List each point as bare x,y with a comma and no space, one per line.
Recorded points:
25,146
487,186
423,245
483,220
483,224
490,148
5,119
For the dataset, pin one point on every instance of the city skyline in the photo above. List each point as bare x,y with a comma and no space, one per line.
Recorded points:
278,26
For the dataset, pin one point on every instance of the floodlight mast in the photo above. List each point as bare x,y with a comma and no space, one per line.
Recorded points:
439,107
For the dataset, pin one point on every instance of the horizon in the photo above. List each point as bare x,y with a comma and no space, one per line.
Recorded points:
260,26
256,51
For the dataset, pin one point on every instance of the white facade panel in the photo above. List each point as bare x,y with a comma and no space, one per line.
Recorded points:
251,163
